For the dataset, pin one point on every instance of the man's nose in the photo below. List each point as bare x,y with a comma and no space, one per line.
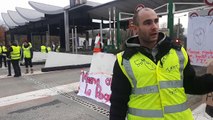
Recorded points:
155,26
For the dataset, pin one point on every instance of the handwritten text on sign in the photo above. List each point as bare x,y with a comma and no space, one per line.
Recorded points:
199,40
200,57
95,86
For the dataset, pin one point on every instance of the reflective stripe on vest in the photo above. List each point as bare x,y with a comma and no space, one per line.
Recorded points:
158,113
146,113
15,54
128,68
155,89
181,60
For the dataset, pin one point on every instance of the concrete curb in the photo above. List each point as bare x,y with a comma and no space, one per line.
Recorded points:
47,69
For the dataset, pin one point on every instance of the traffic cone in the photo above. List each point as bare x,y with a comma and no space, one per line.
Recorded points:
97,47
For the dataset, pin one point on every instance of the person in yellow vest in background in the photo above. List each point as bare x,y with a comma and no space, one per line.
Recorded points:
58,48
43,49
48,49
152,76
3,51
30,45
15,54
28,55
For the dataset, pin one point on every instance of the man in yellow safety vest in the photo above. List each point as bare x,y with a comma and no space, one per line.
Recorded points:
153,74
15,54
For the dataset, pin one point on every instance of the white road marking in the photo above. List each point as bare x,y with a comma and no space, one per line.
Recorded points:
19,98
34,73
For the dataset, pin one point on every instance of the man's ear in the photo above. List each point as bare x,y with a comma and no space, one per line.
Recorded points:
135,30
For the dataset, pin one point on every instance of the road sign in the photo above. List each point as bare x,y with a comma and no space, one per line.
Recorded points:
194,14
210,13
209,2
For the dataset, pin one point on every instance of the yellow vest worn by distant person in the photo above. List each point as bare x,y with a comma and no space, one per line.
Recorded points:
48,49
157,90
43,49
15,54
4,49
27,53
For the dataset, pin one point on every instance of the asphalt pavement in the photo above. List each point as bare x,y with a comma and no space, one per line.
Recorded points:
31,97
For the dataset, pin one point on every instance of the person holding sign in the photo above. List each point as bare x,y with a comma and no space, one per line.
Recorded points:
152,76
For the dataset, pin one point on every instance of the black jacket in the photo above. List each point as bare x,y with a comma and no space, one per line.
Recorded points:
121,88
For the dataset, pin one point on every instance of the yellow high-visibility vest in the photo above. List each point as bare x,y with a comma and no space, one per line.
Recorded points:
157,89
27,53
15,54
4,49
43,49
48,49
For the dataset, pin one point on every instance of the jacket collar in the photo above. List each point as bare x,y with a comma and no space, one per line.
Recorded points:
134,40
133,46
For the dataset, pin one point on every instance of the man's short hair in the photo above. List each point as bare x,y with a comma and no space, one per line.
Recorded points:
136,15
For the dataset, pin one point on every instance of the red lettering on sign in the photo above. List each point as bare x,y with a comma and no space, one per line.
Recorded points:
99,94
201,57
108,81
87,91
84,76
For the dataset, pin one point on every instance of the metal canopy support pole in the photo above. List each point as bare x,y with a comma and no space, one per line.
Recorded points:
101,33
118,31
76,40
110,26
170,18
114,35
73,42
48,35
178,28
66,29
12,36
87,40
29,37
